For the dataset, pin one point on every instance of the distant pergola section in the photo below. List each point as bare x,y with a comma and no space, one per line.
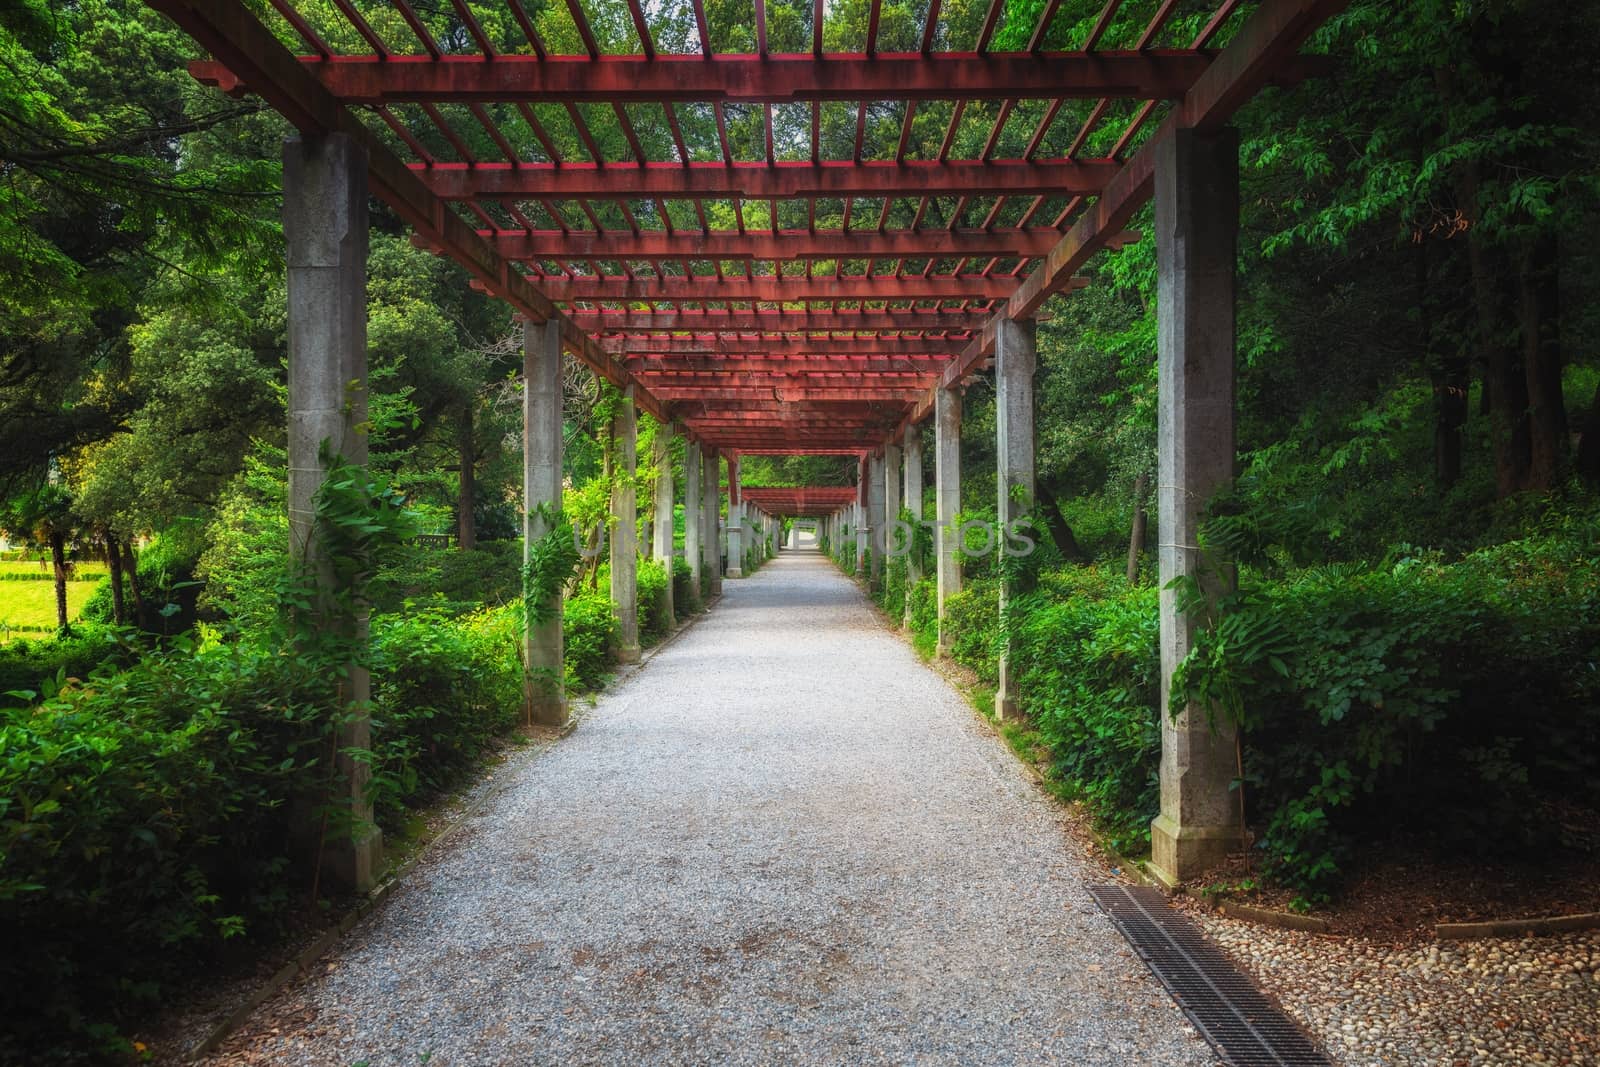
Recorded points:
811,288
804,502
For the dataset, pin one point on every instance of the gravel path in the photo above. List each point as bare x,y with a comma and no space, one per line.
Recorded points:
783,841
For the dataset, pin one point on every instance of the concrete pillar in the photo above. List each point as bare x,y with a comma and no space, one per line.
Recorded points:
661,531
913,504
325,231
875,517
891,499
1197,221
711,504
947,502
625,528
544,690
694,520
1014,363
858,515
736,522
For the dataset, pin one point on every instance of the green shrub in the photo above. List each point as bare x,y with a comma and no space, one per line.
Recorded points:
1089,675
167,585
925,617
1454,704
651,601
149,815
26,665
682,585
589,626
490,574
443,689
973,619
143,823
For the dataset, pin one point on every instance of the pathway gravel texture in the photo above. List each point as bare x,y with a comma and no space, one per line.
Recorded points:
784,840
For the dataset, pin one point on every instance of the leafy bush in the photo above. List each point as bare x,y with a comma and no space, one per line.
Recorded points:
588,627
1087,649
651,600
925,617
443,689
143,823
682,586
27,665
1457,704
152,814
490,574
167,585
973,618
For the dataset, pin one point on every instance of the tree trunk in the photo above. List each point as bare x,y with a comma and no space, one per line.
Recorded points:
119,613
1141,519
1538,312
1060,532
58,558
1504,383
1589,442
466,529
130,568
1449,376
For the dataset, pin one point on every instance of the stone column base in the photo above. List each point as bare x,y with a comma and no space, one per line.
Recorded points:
354,864
1180,853
545,710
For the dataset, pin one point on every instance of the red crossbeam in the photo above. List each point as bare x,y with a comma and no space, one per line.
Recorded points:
807,501
733,344
782,180
785,365
743,78
759,245
767,289
841,320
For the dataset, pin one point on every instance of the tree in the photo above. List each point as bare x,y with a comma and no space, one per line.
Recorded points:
44,513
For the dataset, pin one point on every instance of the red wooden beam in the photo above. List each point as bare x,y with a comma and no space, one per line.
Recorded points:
783,180
780,345
655,366
1157,74
842,320
787,244
740,392
767,289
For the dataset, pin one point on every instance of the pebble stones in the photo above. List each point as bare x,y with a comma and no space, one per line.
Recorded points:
1492,1003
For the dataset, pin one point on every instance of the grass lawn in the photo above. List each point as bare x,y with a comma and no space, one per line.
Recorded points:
32,605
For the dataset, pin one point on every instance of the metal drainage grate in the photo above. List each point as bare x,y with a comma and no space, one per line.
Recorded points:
1245,1028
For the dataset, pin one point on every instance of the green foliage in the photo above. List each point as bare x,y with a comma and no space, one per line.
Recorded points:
925,617
1458,704
29,665
652,591
589,627
682,586
973,618
143,823
445,689
1090,676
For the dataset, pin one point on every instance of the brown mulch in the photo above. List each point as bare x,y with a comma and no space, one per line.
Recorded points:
1398,898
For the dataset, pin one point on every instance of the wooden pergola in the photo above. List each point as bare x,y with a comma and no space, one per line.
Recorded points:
850,285
932,252
804,502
